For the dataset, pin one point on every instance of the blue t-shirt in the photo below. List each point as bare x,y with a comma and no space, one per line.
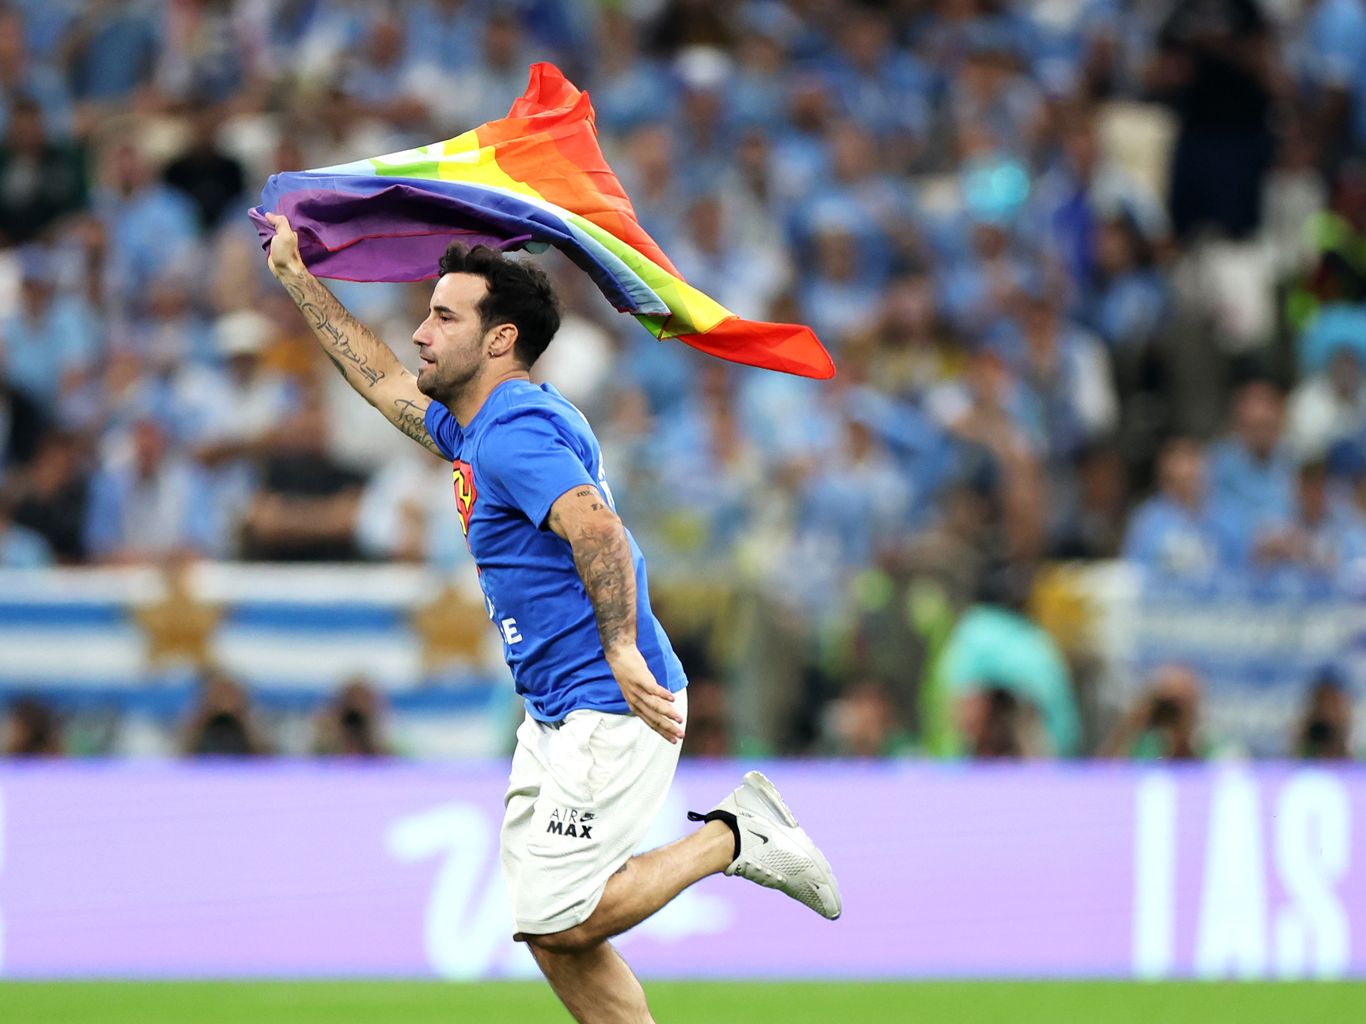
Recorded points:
525,448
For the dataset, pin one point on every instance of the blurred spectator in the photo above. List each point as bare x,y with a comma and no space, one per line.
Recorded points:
990,93
229,413
680,24
1252,470
148,502
440,32
352,724
231,405
840,296
758,92
20,547
978,289
862,722
1128,299
483,89
849,510
628,88
381,85
996,647
41,179
169,327
151,227
1323,538
1336,66
34,730
707,442
305,509
221,723
878,210
1324,731
701,122
1335,279
1174,534
1066,378
1000,725
210,52
800,159
25,80
909,349
1091,523
1164,721
21,428
879,85
1215,66
110,50
206,175
50,337
403,515
1328,409
985,411
51,496
1081,190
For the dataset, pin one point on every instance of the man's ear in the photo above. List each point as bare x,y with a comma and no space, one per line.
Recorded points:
502,339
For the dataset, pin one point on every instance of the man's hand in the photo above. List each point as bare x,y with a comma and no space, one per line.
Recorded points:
284,248
648,701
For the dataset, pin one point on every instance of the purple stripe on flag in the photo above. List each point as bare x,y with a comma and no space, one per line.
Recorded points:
400,237
382,229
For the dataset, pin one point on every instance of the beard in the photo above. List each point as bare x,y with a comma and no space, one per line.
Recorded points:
444,385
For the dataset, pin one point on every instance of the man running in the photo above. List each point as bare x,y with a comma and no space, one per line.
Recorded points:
565,585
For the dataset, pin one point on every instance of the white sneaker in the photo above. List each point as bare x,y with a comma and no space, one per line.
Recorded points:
774,852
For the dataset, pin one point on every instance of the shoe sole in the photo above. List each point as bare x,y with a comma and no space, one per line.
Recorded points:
766,789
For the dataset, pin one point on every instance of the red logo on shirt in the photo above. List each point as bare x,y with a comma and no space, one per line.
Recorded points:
465,493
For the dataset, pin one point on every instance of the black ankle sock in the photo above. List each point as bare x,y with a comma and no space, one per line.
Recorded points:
725,816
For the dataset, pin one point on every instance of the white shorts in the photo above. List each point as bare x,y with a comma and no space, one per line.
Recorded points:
581,795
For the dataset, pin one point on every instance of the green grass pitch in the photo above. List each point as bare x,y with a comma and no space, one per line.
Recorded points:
352,1002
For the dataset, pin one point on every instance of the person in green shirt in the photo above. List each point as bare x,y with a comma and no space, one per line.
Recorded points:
996,648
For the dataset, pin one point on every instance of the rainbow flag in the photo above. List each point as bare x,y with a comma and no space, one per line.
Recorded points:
533,179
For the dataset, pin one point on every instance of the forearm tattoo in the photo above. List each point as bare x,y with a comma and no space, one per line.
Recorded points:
603,559
352,348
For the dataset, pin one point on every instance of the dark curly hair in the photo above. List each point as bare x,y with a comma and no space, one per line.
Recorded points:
519,294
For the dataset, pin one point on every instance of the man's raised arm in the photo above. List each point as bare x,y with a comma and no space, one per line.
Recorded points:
367,363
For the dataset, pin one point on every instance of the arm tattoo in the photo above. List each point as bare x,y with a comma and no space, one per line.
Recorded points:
344,339
603,559
364,362
411,417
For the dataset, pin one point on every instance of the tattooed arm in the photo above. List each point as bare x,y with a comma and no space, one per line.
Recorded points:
366,363
602,556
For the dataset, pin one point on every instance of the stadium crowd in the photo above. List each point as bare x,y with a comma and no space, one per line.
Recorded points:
1093,273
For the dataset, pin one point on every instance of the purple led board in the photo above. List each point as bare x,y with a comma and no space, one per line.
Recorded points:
303,870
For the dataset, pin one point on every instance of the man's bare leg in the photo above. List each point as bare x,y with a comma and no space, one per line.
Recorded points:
587,974
595,985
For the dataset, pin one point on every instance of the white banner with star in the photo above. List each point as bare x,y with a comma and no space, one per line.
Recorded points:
134,642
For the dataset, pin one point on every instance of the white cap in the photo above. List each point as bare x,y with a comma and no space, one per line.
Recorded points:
245,332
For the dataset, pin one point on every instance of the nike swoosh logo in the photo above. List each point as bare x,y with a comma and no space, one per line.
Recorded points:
759,834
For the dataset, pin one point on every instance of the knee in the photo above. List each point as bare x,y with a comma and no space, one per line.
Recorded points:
579,939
